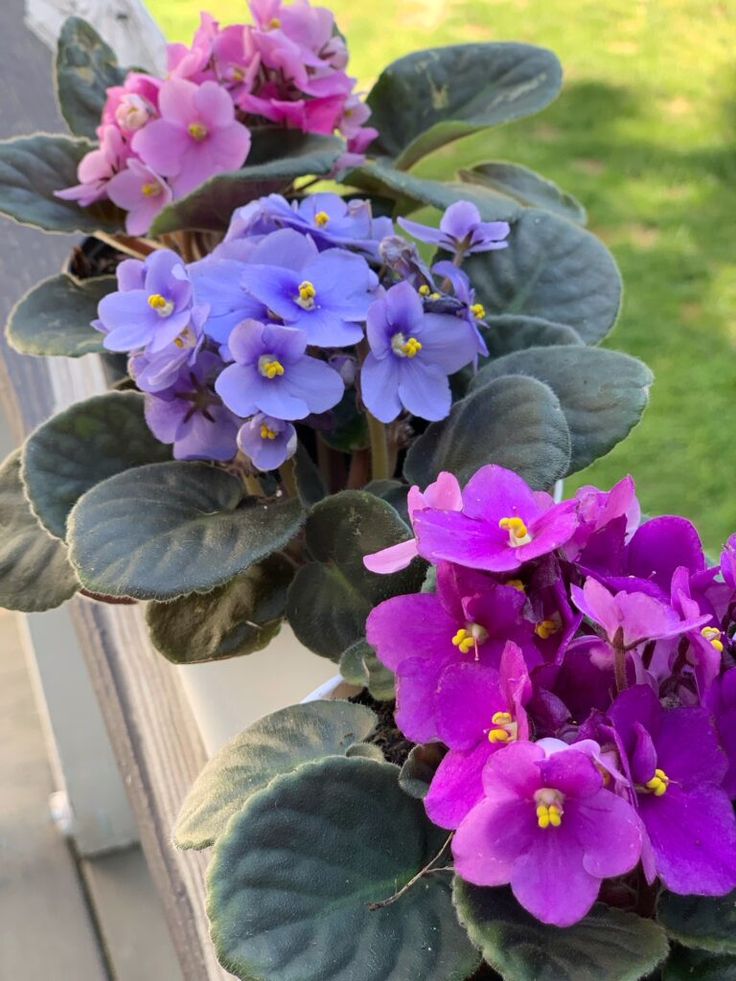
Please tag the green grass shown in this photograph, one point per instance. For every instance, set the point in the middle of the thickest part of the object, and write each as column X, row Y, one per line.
column 644, row 134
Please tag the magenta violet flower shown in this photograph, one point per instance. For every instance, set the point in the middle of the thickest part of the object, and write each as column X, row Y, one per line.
column 503, row 524
column 677, row 770
column 273, row 374
column 412, row 353
column 196, row 136
column 721, row 702
column 549, row 828
column 461, row 231
column 268, row 442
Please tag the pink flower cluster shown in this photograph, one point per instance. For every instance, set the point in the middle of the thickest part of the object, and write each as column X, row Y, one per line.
column 160, row 139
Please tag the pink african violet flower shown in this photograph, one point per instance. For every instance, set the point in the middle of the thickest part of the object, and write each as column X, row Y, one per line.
column 97, row 168
column 131, row 105
column 480, row 710
column 140, row 192
column 549, row 828
column 503, row 524
column 445, row 495
column 195, row 138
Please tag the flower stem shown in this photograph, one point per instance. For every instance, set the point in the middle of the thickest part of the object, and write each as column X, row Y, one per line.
column 427, row 870
column 287, row 472
column 379, row 449
column 619, row 660
column 138, row 248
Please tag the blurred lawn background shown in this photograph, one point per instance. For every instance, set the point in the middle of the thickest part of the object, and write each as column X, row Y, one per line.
column 644, row 134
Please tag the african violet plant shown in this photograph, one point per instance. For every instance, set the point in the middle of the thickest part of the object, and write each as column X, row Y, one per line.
column 566, row 690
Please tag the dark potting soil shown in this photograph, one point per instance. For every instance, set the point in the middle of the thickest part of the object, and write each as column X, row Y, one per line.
column 93, row 258
column 389, row 739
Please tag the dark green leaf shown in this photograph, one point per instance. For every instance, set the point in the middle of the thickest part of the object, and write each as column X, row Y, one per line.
column 352, row 668
column 515, row 422
column 705, row 922
column 367, row 751
column 54, row 317
column 276, row 744
column 602, row 393
column 525, row 186
column 348, row 431
column 509, row 333
column 309, row 483
column 240, row 617
column 419, row 769
column 331, row 597
column 551, row 269
column 295, row 873
column 698, row 965
column 393, row 491
column 359, row 665
column 465, row 87
column 381, row 177
column 34, row 570
column 32, row 168
column 82, row 446
column 607, row 945
column 210, row 207
column 163, row 530
column 85, row 68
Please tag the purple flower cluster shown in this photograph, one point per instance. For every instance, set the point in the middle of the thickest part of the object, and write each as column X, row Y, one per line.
column 579, row 667
column 269, row 329
column 162, row 138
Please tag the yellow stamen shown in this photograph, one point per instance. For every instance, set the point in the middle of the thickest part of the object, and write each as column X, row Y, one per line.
column 464, row 641
column 502, row 718
column 434, row 296
column 197, row 131
column 412, row 347
column 267, row 433
column 151, row 189
column 424, row 290
column 499, row 736
column 478, row 311
column 549, row 807
column 270, row 367
column 518, row 531
column 506, row 730
column 307, row 293
column 162, row 306
column 516, row 584
column 274, row 23
column 545, row 628
column 321, row 218
column 658, row 784
column 713, row 636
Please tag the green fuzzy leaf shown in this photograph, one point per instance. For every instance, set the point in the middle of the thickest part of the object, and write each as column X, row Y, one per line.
column 348, row 431
column 309, row 483
column 602, row 393
column 32, row 168
column 461, row 87
column 167, row 529
column 706, row 922
column 366, row 751
column 352, row 668
column 210, row 207
column 608, row 944
column 419, row 769
column 238, row 618
column 551, row 269
column 276, row 744
column 698, row 965
column 381, row 177
column 509, row 333
column 85, row 68
column 54, row 317
column 393, row 491
column 82, row 446
column 515, row 422
column 525, row 186
column 294, row 876
column 35, row 573
column 359, row 665
column 331, row 597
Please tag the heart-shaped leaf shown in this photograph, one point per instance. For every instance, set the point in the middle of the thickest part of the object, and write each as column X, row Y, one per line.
column 82, row 446
column 706, row 922
column 525, row 186
column 297, row 874
column 698, row 965
column 515, row 422
column 602, row 393
column 381, row 177
column 331, row 597
column 419, row 769
column 210, row 207
column 393, row 491
column 462, row 87
column 509, row 333
column 276, row 744
column 32, row 168
column 551, row 269
column 608, row 944
column 85, row 68
column 238, row 618
column 359, row 665
column 54, row 317
column 166, row 529
column 35, row 573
